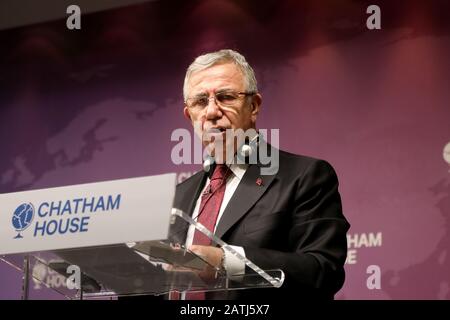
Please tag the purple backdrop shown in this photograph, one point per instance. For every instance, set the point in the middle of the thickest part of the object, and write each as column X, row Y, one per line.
column 101, row 104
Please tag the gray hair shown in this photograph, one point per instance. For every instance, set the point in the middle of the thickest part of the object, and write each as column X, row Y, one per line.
column 210, row 59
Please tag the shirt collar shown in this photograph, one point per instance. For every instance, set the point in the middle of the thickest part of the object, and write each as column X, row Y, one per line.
column 238, row 170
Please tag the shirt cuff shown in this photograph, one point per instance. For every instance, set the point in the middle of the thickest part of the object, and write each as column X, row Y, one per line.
column 233, row 265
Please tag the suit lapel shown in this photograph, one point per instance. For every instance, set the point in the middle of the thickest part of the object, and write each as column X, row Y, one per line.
column 192, row 191
column 245, row 196
column 189, row 192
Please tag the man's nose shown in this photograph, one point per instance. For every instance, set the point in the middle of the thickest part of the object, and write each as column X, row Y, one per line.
column 212, row 109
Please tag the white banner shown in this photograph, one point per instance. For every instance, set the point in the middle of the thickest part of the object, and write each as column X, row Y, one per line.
column 101, row 213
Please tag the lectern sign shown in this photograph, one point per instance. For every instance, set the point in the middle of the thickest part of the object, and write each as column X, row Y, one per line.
column 101, row 213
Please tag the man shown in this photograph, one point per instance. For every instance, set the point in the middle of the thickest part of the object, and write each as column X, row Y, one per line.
column 290, row 220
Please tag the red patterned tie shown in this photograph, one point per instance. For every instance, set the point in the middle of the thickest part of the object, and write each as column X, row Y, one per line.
column 212, row 199
column 210, row 204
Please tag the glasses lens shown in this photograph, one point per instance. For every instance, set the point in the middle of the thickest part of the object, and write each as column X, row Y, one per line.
column 199, row 102
column 227, row 98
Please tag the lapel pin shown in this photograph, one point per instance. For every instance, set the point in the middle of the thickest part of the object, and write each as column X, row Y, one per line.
column 259, row 182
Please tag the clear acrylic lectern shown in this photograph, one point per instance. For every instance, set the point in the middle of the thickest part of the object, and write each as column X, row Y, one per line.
column 154, row 267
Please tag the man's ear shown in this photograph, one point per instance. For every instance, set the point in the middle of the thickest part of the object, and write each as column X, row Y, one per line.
column 187, row 115
column 256, row 105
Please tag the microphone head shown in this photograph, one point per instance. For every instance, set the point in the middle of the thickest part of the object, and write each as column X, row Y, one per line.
column 209, row 161
column 246, row 151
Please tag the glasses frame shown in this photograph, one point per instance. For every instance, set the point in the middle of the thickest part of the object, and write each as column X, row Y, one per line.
column 216, row 101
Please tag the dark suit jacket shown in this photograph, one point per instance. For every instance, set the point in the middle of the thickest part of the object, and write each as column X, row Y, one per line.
column 293, row 221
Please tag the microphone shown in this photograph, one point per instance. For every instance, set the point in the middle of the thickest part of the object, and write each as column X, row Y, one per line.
column 246, row 150
column 208, row 163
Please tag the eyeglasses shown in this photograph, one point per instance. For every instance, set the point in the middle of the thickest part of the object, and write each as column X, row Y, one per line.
column 226, row 98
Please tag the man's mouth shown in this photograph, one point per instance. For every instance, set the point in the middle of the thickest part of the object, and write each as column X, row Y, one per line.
column 216, row 130
column 215, row 134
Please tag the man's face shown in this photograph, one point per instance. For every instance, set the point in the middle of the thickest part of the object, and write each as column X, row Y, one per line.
column 211, row 121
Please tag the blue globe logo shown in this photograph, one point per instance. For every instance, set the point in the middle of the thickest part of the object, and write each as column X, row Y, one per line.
column 22, row 218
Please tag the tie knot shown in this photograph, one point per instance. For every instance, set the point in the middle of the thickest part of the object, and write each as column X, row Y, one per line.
column 220, row 172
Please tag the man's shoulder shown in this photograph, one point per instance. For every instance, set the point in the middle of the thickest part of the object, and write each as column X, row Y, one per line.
column 299, row 158
column 291, row 162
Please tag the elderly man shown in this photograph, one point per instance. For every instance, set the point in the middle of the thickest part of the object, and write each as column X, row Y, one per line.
column 291, row 219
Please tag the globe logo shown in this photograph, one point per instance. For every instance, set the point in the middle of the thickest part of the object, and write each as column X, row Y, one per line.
column 22, row 218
